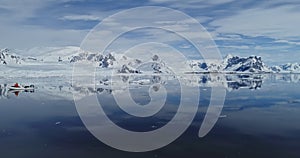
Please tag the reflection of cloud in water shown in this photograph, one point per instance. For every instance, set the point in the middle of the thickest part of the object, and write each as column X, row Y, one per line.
column 275, row 120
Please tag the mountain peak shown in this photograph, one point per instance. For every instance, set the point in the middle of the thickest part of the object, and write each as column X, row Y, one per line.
column 228, row 56
column 287, row 68
column 64, row 55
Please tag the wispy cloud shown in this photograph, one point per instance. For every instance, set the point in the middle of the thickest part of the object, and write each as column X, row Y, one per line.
column 239, row 27
column 81, row 17
column 287, row 42
column 277, row 23
column 190, row 4
column 236, row 47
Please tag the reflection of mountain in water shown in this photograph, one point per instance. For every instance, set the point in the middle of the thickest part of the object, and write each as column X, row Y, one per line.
column 3, row 91
column 119, row 83
column 294, row 78
column 229, row 81
column 245, row 81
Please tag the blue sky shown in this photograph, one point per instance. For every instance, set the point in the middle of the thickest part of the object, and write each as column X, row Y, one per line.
column 266, row 28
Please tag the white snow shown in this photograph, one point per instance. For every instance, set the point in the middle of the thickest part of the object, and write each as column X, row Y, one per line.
column 58, row 61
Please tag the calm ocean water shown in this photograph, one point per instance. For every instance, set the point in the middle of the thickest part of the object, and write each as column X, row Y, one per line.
column 260, row 118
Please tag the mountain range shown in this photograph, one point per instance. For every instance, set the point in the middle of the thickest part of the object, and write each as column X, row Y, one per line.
column 125, row 64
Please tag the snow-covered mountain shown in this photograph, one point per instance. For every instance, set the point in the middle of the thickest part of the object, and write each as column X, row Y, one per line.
column 205, row 66
column 124, row 64
column 230, row 63
column 8, row 57
column 286, row 68
column 66, row 56
column 253, row 64
column 52, row 54
column 11, row 57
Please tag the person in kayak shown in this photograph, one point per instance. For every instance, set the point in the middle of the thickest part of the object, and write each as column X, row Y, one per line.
column 16, row 85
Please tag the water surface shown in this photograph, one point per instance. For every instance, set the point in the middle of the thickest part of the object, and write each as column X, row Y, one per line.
column 260, row 118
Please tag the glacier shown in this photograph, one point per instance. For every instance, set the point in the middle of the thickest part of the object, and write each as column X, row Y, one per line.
column 58, row 61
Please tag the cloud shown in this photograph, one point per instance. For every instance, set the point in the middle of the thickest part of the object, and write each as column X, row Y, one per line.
column 287, row 42
column 190, row 4
column 18, row 30
column 276, row 23
column 81, row 17
column 238, row 27
column 171, row 28
column 236, row 47
column 185, row 46
column 32, row 36
column 21, row 9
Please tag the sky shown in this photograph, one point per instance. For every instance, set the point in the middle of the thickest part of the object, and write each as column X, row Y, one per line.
column 265, row 28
